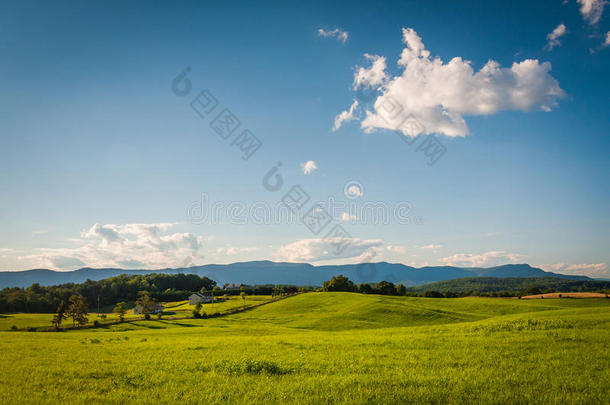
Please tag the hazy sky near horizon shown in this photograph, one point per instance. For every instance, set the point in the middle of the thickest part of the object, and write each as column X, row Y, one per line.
column 109, row 159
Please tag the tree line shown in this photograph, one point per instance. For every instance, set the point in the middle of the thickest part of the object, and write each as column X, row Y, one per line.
column 162, row 287
column 484, row 287
column 122, row 288
column 512, row 286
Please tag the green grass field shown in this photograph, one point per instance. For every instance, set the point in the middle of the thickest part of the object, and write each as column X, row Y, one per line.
column 178, row 309
column 326, row 348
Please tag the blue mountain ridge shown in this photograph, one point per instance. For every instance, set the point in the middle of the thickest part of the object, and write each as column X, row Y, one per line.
column 268, row 272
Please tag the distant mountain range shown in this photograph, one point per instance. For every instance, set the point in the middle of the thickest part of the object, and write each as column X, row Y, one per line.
column 267, row 272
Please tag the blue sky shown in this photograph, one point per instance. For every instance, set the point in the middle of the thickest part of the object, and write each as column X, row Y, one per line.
column 101, row 164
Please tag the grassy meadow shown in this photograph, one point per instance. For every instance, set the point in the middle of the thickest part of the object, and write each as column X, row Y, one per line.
column 177, row 309
column 325, row 348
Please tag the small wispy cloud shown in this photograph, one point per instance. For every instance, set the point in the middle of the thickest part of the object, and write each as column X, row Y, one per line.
column 311, row 250
column 595, row 270
column 486, row 259
column 396, row 248
column 238, row 250
column 606, row 40
column 345, row 216
column 553, row 36
column 336, row 33
column 431, row 246
column 346, row 116
column 354, row 191
column 592, row 10
column 309, row 166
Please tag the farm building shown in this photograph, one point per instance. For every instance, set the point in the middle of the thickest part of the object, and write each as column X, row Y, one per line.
column 196, row 298
column 138, row 309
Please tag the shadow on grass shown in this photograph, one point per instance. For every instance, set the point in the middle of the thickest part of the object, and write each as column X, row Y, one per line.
column 184, row 325
column 151, row 326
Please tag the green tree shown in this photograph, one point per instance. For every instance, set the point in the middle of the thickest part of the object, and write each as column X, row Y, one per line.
column 78, row 310
column 401, row 289
column 533, row 291
column 60, row 315
column 385, row 288
column 208, row 283
column 243, row 297
column 120, row 309
column 339, row 283
column 365, row 288
column 197, row 310
column 146, row 303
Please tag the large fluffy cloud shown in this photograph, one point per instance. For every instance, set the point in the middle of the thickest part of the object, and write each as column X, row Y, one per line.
column 318, row 249
column 126, row 246
column 487, row 259
column 436, row 95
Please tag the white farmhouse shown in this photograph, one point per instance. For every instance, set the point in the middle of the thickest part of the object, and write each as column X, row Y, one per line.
column 196, row 298
column 138, row 309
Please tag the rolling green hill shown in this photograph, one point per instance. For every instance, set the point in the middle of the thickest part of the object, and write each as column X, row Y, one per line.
column 345, row 311
column 327, row 348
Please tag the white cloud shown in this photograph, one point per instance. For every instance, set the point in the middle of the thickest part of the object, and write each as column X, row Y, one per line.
column 591, row 10
column 317, row 249
column 237, row 250
column 606, row 40
column 431, row 246
column 594, row 270
column 336, row 33
column 346, row 116
column 126, row 246
column 373, row 76
column 354, row 191
column 396, row 248
column 488, row 259
column 347, row 217
column 553, row 36
column 435, row 95
column 308, row 167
